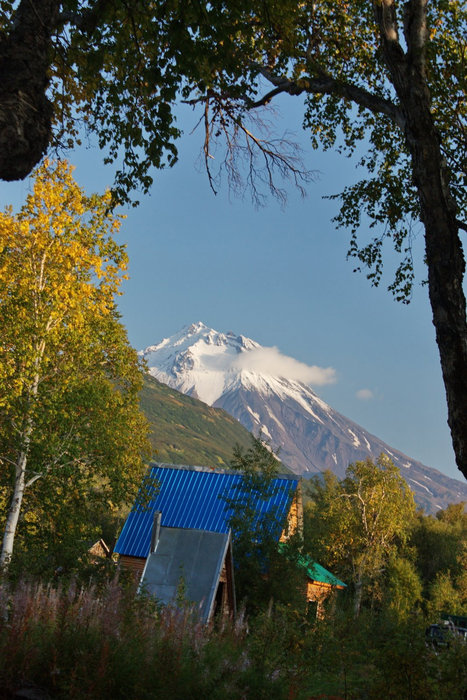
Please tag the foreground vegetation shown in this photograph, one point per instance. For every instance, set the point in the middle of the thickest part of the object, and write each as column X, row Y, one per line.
column 67, row 641
column 80, row 630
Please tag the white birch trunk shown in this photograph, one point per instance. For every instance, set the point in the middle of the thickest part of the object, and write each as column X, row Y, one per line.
column 16, row 501
column 358, row 597
column 20, row 482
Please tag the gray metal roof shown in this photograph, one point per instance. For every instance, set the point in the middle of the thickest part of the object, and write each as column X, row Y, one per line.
column 191, row 559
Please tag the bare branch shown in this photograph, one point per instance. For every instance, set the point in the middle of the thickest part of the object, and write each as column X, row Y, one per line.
column 207, row 141
column 248, row 150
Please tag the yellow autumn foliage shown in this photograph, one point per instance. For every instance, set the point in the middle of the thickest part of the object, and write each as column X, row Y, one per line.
column 72, row 436
column 59, row 267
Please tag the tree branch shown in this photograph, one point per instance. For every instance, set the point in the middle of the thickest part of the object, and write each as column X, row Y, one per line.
column 6, row 459
column 327, row 85
column 86, row 21
column 386, row 20
column 222, row 119
column 32, row 480
column 267, row 98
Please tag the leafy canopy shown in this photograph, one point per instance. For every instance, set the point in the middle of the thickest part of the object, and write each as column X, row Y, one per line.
column 118, row 69
column 355, row 526
column 71, row 433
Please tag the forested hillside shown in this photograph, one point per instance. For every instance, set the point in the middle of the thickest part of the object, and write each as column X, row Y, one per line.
column 187, row 431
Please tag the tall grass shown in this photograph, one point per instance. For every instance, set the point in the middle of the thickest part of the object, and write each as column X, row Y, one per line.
column 107, row 643
column 71, row 641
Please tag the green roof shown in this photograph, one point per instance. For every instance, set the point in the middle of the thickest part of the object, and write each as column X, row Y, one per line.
column 318, row 573
column 314, row 570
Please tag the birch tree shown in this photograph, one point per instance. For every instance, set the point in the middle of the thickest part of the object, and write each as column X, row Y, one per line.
column 355, row 525
column 62, row 349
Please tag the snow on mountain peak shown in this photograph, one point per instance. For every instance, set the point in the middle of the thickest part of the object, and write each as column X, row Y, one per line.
column 205, row 363
column 268, row 392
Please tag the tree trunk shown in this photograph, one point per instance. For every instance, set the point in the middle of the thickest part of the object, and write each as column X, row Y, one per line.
column 16, row 501
column 358, row 597
column 446, row 268
column 20, row 477
column 25, row 111
column 444, row 254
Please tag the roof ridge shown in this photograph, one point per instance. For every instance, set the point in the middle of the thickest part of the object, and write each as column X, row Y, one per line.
column 214, row 470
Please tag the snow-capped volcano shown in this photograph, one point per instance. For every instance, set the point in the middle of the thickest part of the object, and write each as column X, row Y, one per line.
column 270, row 393
column 206, row 364
column 199, row 361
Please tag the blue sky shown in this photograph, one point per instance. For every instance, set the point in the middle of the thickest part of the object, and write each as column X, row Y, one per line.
column 280, row 276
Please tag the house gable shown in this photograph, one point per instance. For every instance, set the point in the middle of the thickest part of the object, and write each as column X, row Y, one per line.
column 195, row 565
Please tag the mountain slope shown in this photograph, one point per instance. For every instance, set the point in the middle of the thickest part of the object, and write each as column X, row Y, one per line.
column 187, row 431
column 235, row 373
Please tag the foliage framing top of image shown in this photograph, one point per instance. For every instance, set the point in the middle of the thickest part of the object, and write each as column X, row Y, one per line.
column 118, row 70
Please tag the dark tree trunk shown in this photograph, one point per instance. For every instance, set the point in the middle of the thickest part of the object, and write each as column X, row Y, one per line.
column 444, row 253
column 446, row 269
column 25, row 111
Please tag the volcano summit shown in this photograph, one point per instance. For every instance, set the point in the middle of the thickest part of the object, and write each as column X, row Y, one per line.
column 270, row 393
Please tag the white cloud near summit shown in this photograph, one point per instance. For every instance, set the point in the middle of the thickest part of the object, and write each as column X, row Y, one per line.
column 271, row 361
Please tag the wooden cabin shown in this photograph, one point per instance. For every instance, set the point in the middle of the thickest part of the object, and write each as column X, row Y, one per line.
column 197, row 498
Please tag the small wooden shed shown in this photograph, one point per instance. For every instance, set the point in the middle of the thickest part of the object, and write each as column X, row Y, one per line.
column 100, row 550
column 320, row 584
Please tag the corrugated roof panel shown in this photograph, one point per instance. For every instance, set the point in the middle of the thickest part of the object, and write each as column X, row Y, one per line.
column 196, row 556
column 318, row 573
column 191, row 497
column 313, row 570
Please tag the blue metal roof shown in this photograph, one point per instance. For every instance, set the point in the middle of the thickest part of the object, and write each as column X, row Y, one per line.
column 192, row 497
